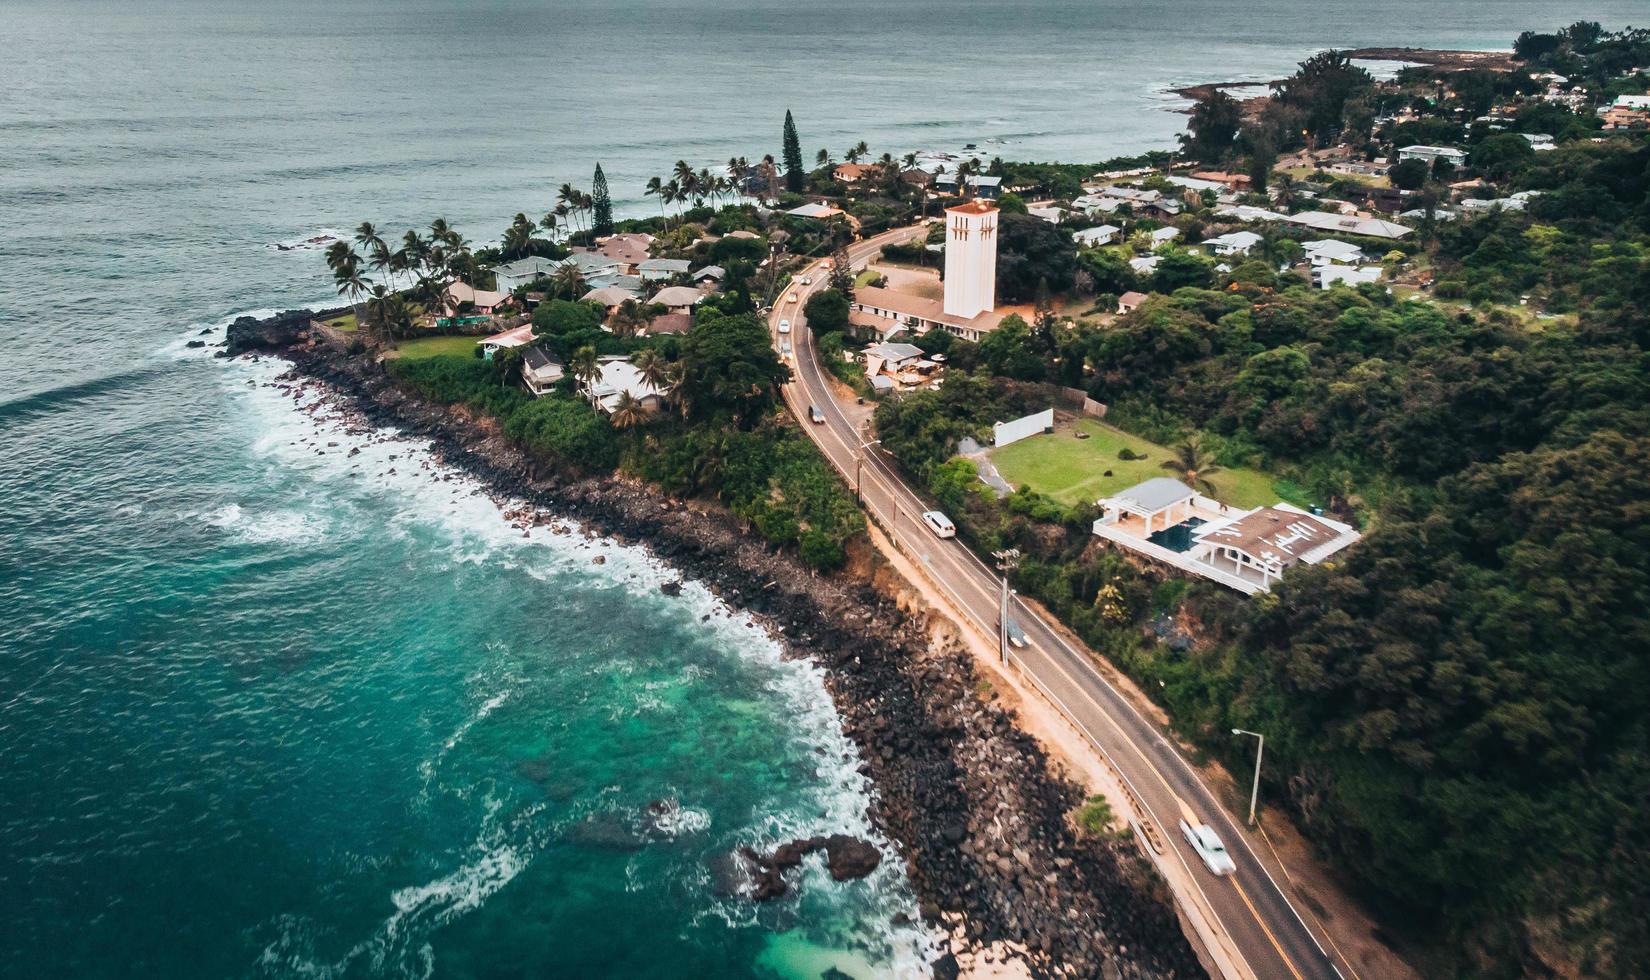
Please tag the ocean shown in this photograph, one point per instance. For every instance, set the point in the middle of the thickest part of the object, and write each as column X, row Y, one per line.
column 280, row 698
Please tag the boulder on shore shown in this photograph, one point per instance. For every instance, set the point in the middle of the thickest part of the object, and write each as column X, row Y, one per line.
column 281, row 330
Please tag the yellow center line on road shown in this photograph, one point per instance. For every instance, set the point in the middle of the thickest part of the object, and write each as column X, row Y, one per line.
column 1274, row 940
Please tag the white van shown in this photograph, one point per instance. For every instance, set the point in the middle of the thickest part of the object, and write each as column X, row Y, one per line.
column 939, row 524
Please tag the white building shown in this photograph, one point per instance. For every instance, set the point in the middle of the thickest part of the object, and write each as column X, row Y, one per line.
column 1163, row 236
column 618, row 377
column 540, row 370
column 1348, row 224
column 1330, row 251
column 971, row 259
column 1234, row 243
column 1327, row 276
column 1431, row 154
column 1258, row 546
column 1103, row 235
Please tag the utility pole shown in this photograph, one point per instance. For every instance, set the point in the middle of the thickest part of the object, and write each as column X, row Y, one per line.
column 1007, row 560
column 1254, row 792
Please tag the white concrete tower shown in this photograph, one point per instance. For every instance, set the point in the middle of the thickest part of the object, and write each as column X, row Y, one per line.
column 971, row 258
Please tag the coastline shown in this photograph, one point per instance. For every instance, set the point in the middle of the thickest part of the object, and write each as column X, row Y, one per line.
column 971, row 800
column 1448, row 59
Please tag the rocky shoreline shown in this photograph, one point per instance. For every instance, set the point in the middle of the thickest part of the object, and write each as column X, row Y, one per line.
column 1445, row 59
column 979, row 813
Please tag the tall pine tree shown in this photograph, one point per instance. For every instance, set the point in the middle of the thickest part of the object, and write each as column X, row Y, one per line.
column 601, row 205
column 793, row 156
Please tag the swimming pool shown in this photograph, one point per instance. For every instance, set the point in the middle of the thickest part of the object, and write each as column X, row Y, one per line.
column 1179, row 537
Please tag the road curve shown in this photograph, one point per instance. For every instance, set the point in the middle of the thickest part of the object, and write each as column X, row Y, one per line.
column 1254, row 921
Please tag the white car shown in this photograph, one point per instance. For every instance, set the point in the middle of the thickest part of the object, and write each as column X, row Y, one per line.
column 1208, row 847
column 806, row 281
column 939, row 524
column 791, row 298
column 784, row 326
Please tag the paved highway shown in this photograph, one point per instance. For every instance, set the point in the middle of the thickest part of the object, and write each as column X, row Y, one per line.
column 1254, row 923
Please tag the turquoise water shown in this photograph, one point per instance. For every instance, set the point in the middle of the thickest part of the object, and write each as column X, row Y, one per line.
column 271, row 710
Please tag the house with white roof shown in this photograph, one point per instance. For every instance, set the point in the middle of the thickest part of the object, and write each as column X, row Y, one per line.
column 1093, row 204
column 1163, row 236
column 1329, row 276
column 817, row 211
column 1540, row 142
column 483, row 300
column 1052, row 215
column 1234, row 243
column 618, row 377
column 1145, row 265
column 1246, row 212
column 657, row 270
column 1101, row 235
column 517, row 337
column 679, row 299
column 1158, row 503
column 1431, row 154
column 1327, row 251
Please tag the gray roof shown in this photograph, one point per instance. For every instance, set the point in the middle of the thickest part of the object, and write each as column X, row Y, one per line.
column 895, row 352
column 664, row 265
column 711, row 271
column 882, row 382
column 532, row 265
column 677, row 296
column 1155, row 494
column 537, row 358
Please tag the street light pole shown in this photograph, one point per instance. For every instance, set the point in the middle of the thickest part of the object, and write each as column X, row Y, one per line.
column 1254, row 792
column 1007, row 560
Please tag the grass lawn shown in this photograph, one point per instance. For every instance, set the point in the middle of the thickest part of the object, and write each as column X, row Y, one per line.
column 866, row 277
column 436, row 346
column 1073, row 470
column 346, row 323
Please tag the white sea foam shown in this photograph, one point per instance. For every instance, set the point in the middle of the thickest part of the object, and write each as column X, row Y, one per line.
column 387, row 466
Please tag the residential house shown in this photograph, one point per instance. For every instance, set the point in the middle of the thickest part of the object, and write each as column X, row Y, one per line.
column 1330, row 251
column 678, row 299
column 630, row 250
column 609, row 297
column 1145, row 265
column 1387, row 199
column 1233, row 182
column 659, row 270
column 1432, row 154
column 1357, row 168
column 593, row 265
column 1130, row 301
column 1246, row 212
column 1234, row 243
column 853, row 173
column 1627, row 112
column 1093, row 204
column 1198, row 184
column 1260, row 545
column 985, row 186
column 710, row 273
column 481, row 300
column 1329, row 276
column 619, row 376
column 675, row 323
column 1163, row 236
column 1159, row 503
column 1052, row 215
column 818, row 212
column 540, row 370
column 1348, row 224
column 1102, row 235
column 513, row 275
column 517, row 337
column 1540, row 142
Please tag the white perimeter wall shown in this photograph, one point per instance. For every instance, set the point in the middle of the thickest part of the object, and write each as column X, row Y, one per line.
column 1007, row 432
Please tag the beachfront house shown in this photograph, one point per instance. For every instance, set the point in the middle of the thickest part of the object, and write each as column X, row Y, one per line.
column 517, row 337
column 540, row 370
column 481, row 300
column 1157, row 504
column 1233, row 243
column 618, row 377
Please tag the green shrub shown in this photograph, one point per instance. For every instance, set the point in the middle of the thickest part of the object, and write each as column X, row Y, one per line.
column 566, row 428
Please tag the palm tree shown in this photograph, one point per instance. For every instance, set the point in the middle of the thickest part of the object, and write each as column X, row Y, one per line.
column 675, row 391
column 550, row 222
column 856, row 151
column 1193, row 466
column 628, row 319
column 656, row 188
column 346, row 273
column 627, row 412
column 675, row 194
column 568, row 196
column 569, row 279
column 368, row 238
column 586, row 369
column 823, row 157
column 770, row 172
column 654, row 369
column 382, row 313
column 685, row 175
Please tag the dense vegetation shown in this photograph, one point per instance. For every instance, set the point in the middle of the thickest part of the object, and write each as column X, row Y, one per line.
column 726, row 441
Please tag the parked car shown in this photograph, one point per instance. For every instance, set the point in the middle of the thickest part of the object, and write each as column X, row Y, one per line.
column 939, row 524
column 815, row 415
column 784, row 326
column 1208, row 847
